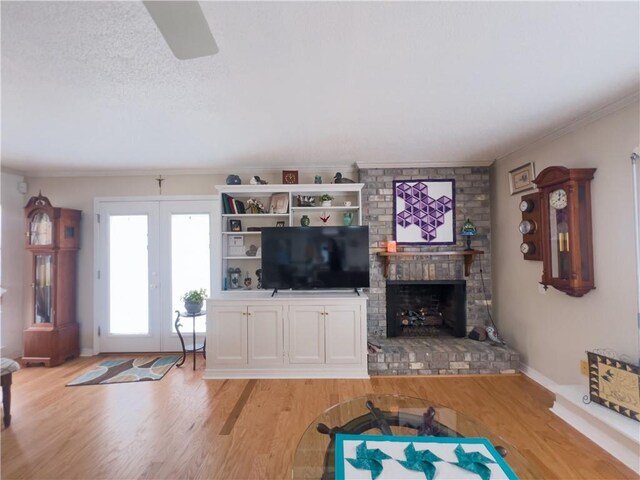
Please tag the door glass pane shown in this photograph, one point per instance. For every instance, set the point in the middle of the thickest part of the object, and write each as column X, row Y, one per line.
column 43, row 300
column 129, row 275
column 190, row 261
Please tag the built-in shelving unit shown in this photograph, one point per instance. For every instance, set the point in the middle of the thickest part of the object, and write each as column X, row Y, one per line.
column 468, row 256
column 284, row 204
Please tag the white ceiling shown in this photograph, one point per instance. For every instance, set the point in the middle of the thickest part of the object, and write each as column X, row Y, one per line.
column 93, row 86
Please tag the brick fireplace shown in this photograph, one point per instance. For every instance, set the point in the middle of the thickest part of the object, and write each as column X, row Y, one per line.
column 472, row 201
column 423, row 354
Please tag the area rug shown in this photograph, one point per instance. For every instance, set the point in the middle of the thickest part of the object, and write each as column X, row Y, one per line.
column 142, row 369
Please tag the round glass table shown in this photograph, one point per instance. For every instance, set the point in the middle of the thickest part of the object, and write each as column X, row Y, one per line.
column 385, row 414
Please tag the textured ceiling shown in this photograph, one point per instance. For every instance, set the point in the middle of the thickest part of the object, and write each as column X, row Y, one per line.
column 93, row 86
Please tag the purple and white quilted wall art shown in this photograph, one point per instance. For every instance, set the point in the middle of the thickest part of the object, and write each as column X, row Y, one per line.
column 424, row 212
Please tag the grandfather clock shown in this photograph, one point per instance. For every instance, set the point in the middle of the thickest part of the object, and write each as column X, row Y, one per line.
column 53, row 238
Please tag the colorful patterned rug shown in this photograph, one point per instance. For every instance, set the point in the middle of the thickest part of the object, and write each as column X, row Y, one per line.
column 141, row 369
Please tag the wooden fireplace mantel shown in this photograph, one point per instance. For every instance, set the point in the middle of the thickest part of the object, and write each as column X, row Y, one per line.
column 468, row 255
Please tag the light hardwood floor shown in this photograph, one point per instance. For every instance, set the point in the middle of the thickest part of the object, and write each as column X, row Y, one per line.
column 185, row 427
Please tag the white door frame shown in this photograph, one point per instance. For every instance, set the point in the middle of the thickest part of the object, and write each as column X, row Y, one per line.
column 214, row 239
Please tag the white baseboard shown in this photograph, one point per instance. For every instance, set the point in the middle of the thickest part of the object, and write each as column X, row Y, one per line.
column 86, row 352
column 538, row 377
column 618, row 435
column 214, row 374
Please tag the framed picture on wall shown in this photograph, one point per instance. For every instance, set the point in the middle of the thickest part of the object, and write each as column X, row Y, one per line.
column 424, row 212
column 615, row 384
column 521, row 178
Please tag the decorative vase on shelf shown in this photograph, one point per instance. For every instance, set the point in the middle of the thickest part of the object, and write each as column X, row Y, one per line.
column 259, row 275
column 347, row 219
column 304, row 221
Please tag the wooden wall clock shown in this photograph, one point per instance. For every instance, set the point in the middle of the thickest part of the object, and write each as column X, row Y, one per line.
column 567, row 245
column 52, row 238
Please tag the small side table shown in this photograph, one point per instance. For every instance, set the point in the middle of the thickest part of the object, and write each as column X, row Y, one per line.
column 190, row 347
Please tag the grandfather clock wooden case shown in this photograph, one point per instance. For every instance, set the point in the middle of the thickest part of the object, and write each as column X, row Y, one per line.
column 53, row 238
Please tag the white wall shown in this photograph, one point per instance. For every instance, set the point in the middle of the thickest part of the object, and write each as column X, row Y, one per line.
column 11, row 266
column 79, row 193
column 553, row 331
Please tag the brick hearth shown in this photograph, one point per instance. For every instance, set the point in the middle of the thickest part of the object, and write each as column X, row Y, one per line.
column 440, row 356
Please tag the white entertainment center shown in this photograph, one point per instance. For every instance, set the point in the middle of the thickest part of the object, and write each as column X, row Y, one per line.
column 292, row 334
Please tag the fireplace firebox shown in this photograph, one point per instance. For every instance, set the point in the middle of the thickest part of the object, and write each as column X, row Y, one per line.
column 426, row 308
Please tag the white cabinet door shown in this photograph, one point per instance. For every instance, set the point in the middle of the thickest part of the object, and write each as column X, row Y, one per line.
column 342, row 334
column 228, row 338
column 265, row 335
column 306, row 334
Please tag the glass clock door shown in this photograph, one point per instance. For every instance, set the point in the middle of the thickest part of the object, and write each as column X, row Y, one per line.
column 40, row 229
column 43, row 289
column 559, row 242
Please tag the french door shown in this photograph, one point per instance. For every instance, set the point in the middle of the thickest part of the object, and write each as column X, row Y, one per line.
column 148, row 254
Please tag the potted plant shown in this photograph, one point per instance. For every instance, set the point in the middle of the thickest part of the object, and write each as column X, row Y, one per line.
column 325, row 198
column 193, row 300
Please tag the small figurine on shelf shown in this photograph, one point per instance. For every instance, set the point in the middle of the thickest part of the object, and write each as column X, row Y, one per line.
column 306, row 200
column 256, row 180
column 340, row 179
column 324, row 217
column 247, row 282
column 259, row 275
column 317, row 179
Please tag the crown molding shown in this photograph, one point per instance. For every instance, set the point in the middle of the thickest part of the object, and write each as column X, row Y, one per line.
column 427, row 164
column 12, row 171
column 225, row 170
column 576, row 123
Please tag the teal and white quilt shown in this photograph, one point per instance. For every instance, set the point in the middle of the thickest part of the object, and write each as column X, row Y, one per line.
column 382, row 457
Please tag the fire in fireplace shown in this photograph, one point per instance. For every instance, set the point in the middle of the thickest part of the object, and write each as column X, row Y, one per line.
column 426, row 308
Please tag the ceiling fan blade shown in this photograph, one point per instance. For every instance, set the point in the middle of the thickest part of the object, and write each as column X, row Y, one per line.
column 184, row 28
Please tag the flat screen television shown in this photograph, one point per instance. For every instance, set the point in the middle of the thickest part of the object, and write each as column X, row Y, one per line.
column 308, row 258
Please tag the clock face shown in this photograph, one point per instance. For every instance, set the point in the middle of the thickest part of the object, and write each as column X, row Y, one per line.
column 527, row 247
column 526, row 226
column 526, row 205
column 290, row 177
column 558, row 199
column 40, row 229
